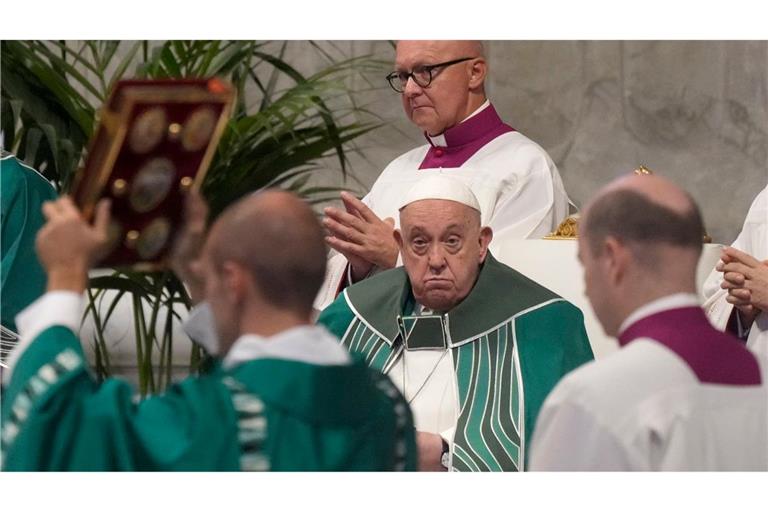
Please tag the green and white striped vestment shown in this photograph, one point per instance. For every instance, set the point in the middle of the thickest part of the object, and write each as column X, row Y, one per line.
column 511, row 341
column 263, row 414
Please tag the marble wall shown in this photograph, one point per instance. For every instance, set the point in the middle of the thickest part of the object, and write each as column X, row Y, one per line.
column 695, row 111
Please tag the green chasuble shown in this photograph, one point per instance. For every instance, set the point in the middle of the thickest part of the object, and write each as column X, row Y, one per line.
column 264, row 414
column 511, row 340
column 22, row 193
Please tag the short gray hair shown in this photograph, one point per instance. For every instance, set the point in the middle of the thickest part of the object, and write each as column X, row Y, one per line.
column 641, row 223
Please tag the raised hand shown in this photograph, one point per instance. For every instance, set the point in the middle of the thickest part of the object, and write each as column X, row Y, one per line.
column 358, row 233
column 67, row 245
column 189, row 245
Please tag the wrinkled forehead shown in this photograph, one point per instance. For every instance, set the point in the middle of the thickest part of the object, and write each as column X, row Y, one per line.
column 438, row 215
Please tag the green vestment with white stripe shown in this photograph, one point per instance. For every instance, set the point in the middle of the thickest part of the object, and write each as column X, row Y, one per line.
column 511, row 341
column 264, row 414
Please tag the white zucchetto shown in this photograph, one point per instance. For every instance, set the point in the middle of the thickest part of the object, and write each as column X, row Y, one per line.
column 440, row 186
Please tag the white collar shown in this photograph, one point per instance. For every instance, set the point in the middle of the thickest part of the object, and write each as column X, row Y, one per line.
column 439, row 140
column 478, row 110
column 674, row 301
column 306, row 343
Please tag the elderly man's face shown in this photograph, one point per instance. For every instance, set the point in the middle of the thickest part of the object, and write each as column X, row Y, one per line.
column 444, row 103
column 442, row 246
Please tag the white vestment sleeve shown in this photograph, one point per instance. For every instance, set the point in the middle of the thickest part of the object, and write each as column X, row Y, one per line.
column 62, row 308
column 334, row 275
column 753, row 240
column 448, row 434
column 715, row 306
column 533, row 202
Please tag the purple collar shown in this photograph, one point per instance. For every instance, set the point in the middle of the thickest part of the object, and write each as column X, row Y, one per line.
column 715, row 357
column 465, row 139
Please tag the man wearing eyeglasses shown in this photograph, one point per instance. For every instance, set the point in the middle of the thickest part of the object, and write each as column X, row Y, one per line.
column 442, row 88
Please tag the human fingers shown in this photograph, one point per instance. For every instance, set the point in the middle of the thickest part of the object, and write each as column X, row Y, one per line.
column 52, row 209
column 346, row 248
column 339, row 230
column 191, row 238
column 345, row 218
column 739, row 295
column 736, row 266
column 196, row 209
column 748, row 311
column 351, row 201
column 49, row 210
column 741, row 256
column 733, row 279
column 101, row 219
column 724, row 256
column 68, row 207
column 351, row 209
column 736, row 301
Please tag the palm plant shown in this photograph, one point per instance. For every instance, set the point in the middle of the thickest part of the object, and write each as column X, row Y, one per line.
column 284, row 127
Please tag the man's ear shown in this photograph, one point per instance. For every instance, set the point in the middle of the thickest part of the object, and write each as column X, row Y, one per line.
column 398, row 238
column 616, row 256
column 236, row 279
column 486, row 235
column 478, row 72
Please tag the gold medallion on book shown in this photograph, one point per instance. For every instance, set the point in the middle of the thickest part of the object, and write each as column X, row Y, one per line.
column 155, row 141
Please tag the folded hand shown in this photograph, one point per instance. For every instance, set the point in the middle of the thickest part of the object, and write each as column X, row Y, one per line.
column 746, row 279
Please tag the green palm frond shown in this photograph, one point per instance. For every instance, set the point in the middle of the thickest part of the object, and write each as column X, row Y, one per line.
column 286, row 128
column 52, row 90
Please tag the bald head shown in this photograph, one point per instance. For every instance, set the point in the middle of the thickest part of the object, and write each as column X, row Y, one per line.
column 644, row 212
column 655, row 188
column 469, row 48
column 447, row 93
column 639, row 240
column 276, row 236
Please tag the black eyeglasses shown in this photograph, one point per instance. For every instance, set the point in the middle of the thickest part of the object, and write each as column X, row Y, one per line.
column 422, row 75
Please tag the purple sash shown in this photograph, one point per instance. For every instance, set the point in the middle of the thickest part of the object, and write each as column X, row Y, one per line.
column 715, row 357
column 465, row 139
